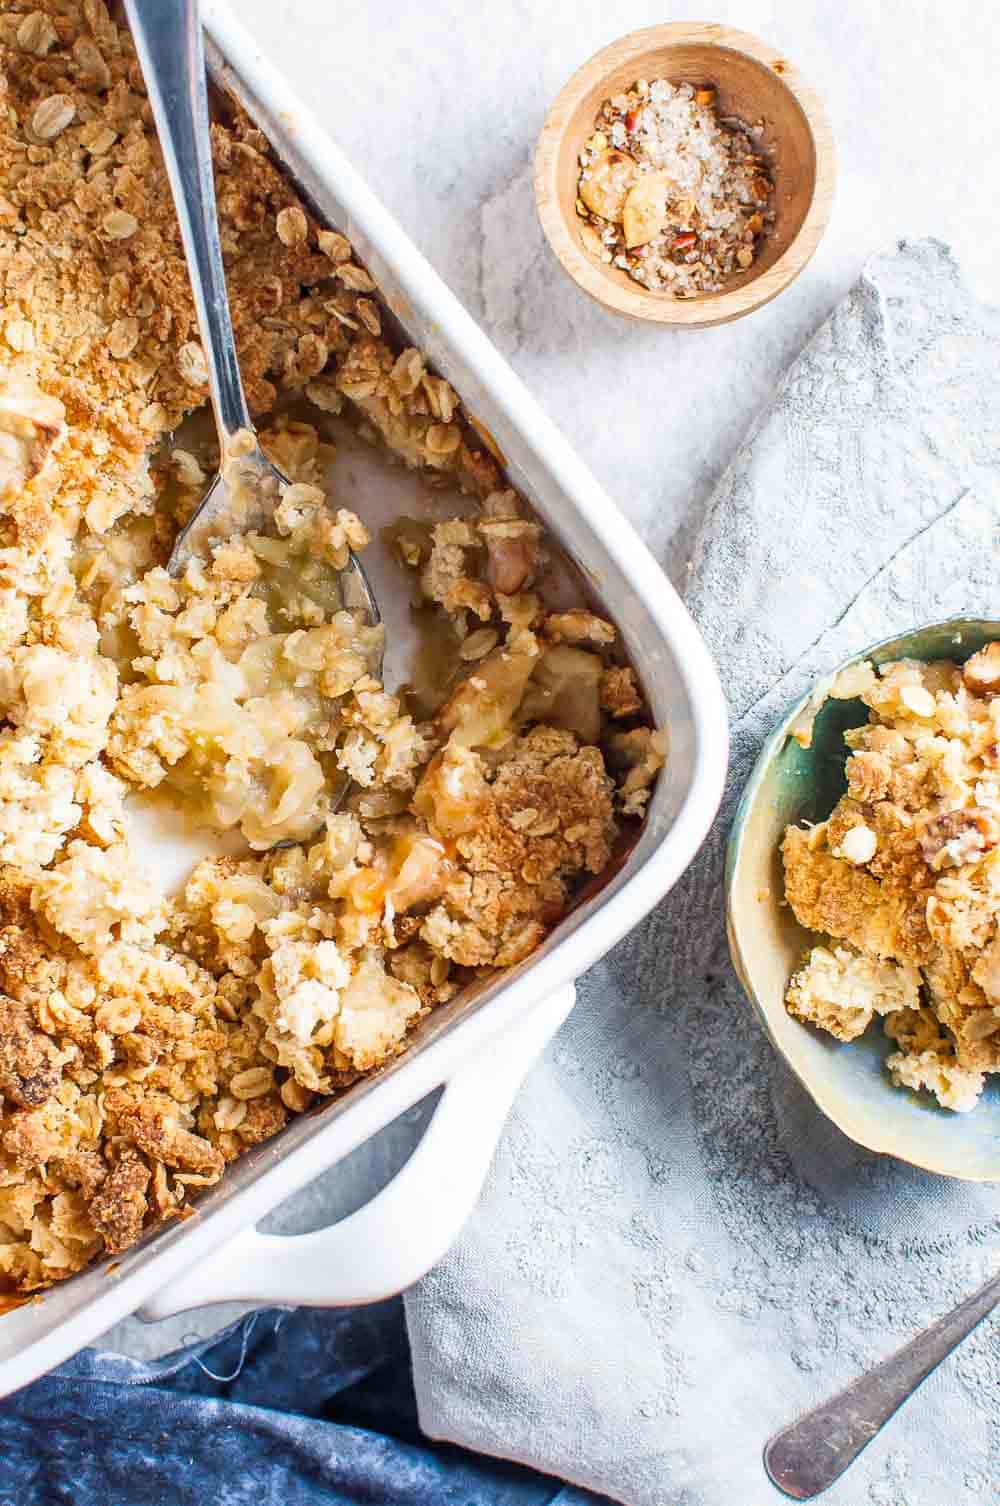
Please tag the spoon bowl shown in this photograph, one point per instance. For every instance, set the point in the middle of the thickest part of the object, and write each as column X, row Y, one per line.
column 848, row 1082
column 242, row 497
column 168, row 40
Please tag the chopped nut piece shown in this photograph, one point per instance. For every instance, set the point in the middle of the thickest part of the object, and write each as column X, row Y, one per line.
column 858, row 846
column 645, row 211
column 958, row 837
column 606, row 184
column 153, row 1125
column 981, row 673
column 590, row 240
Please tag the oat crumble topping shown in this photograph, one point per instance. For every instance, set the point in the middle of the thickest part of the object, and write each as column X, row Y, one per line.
column 675, row 196
column 146, row 1042
column 905, row 877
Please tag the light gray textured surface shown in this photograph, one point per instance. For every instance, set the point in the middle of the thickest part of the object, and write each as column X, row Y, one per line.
column 439, row 104
column 676, row 1253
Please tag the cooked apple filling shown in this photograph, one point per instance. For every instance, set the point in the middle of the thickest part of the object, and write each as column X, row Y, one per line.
column 148, row 1038
column 253, row 698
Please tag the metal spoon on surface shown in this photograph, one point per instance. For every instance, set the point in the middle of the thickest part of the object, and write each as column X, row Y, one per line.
column 168, row 40
column 804, row 1459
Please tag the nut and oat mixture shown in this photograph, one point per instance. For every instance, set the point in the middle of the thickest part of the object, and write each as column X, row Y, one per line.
column 146, row 1041
column 676, row 197
column 904, row 877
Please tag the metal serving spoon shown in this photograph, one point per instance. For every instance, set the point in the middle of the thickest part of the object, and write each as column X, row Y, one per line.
column 168, row 40
column 805, row 1458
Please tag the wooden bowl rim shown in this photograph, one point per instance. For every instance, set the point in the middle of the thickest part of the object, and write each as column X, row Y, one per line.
column 658, row 308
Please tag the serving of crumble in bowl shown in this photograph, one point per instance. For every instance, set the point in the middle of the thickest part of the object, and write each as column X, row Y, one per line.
column 685, row 174
column 863, row 896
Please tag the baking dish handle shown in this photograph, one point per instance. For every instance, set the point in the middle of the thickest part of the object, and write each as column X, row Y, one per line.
column 406, row 1228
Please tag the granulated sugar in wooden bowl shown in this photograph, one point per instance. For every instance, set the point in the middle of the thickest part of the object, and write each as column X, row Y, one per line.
column 685, row 174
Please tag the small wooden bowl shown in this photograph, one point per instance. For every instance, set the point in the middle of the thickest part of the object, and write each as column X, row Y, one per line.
column 752, row 81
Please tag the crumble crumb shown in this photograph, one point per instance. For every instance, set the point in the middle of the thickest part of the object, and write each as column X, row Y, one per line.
column 956, row 1088
column 840, row 989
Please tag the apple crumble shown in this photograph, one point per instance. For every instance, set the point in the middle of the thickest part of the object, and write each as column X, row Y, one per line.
column 387, row 850
column 904, row 876
column 671, row 193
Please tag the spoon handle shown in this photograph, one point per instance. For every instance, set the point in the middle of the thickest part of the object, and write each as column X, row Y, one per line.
column 806, row 1457
column 168, row 39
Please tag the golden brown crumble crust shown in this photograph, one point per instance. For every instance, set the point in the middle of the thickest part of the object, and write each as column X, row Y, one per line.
column 145, row 1043
column 906, row 871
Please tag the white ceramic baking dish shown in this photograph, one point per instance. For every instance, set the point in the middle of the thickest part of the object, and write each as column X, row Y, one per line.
column 479, row 1048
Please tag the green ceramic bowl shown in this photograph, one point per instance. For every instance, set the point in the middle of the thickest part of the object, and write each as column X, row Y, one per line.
column 847, row 1081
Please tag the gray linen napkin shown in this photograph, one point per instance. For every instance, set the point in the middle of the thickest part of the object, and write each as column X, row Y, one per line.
column 676, row 1253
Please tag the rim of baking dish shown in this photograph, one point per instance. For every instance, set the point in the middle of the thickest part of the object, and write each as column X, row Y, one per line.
column 282, row 1173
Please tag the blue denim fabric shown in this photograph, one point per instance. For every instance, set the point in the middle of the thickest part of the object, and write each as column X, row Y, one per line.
column 286, row 1408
